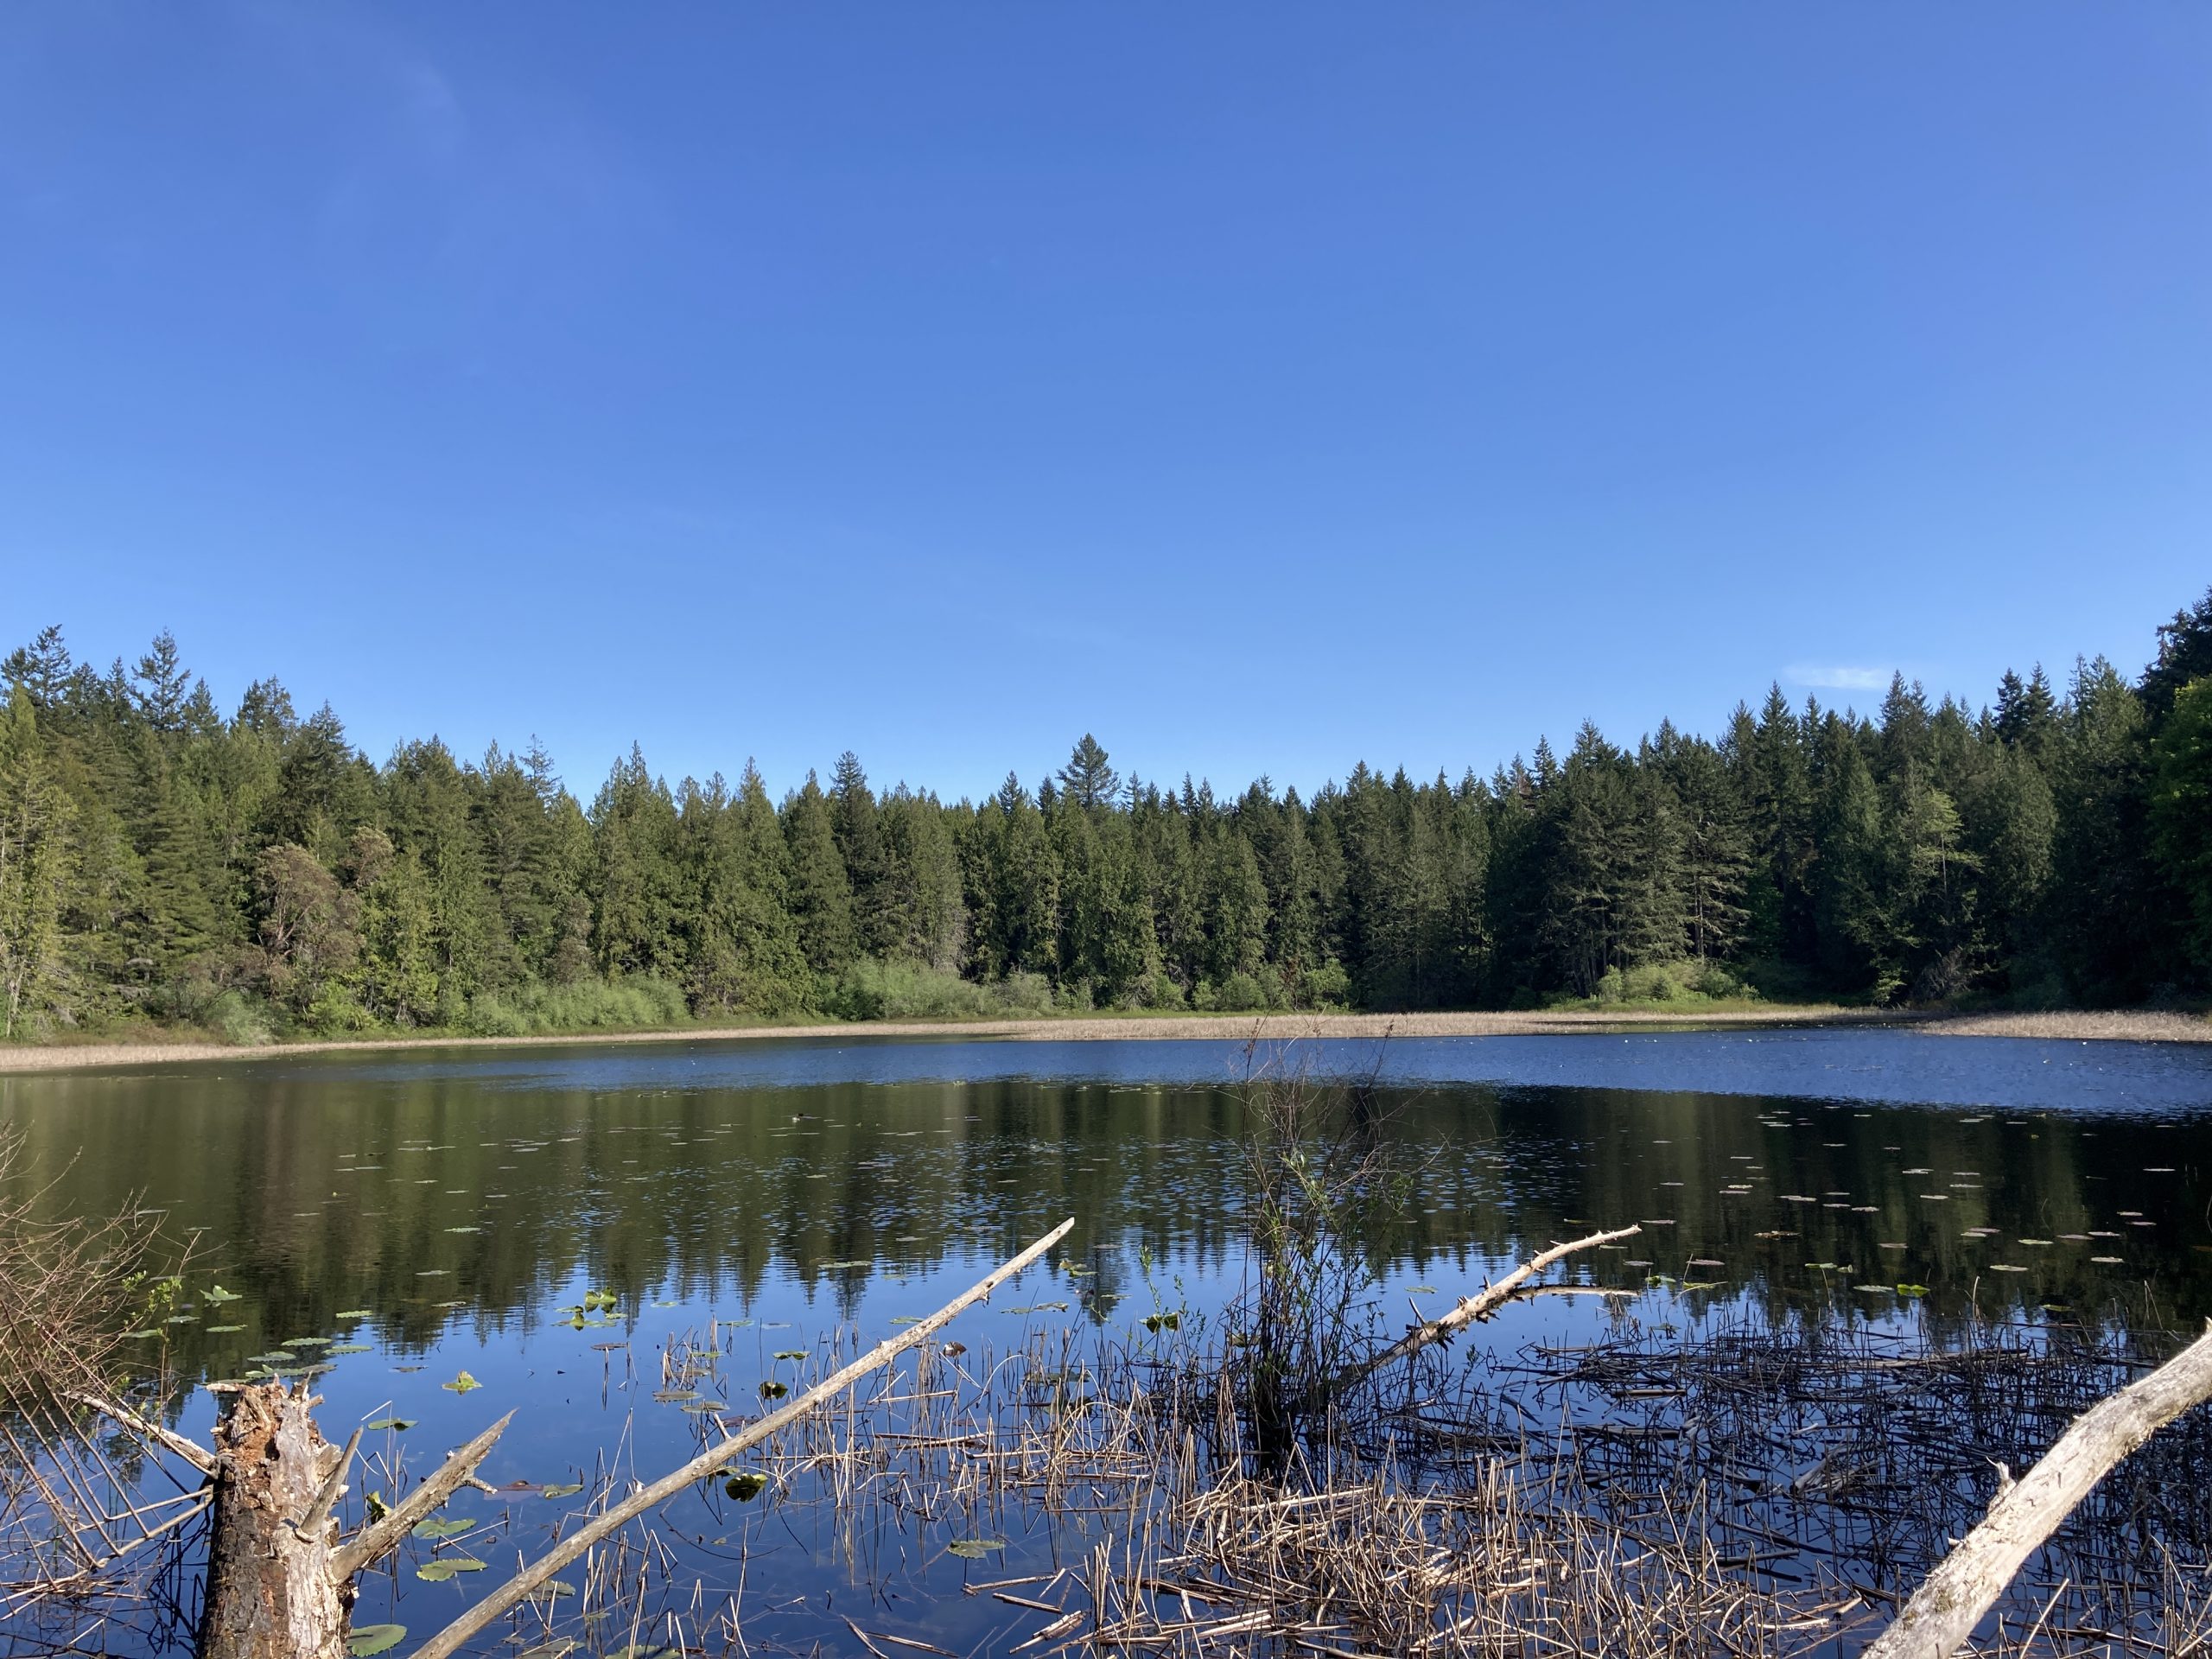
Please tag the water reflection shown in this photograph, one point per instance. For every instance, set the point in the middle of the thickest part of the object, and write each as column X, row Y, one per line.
column 485, row 1187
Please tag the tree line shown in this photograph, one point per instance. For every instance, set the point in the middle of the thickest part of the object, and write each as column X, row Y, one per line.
column 257, row 874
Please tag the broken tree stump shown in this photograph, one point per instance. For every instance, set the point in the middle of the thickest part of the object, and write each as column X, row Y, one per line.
column 271, row 1591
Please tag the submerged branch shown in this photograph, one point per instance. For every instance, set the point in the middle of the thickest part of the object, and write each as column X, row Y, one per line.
column 1480, row 1306
column 449, row 1640
column 365, row 1546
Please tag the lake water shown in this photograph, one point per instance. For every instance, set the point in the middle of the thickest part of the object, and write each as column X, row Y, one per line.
column 415, row 1215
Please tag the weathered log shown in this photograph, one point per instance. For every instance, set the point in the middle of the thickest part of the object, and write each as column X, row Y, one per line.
column 448, row 1641
column 1480, row 1306
column 271, row 1591
column 1967, row 1583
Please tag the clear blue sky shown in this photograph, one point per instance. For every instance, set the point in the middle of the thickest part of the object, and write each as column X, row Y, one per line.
column 1262, row 388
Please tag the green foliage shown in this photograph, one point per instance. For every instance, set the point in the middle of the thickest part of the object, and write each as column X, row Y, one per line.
column 257, row 876
column 633, row 1003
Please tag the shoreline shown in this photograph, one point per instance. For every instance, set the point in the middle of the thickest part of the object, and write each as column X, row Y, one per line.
column 2123, row 1027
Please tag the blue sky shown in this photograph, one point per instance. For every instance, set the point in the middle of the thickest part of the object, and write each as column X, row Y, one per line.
column 1263, row 387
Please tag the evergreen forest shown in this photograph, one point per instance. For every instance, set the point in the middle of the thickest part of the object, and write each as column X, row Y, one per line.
column 254, row 874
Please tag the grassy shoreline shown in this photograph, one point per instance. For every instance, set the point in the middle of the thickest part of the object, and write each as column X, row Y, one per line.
column 2132, row 1025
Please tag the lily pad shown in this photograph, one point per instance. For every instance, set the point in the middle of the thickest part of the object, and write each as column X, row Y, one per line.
column 446, row 1528
column 392, row 1423
column 219, row 1294
column 337, row 1347
column 444, row 1566
column 367, row 1639
column 464, row 1229
column 745, row 1484
column 462, row 1384
column 569, row 1489
column 791, row 1353
column 974, row 1549
column 355, row 1314
column 774, row 1390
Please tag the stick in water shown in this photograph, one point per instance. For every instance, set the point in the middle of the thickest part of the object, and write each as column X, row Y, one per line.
column 447, row 1642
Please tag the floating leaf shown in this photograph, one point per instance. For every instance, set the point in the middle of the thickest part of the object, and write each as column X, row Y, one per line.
column 219, row 1294
column 670, row 1396
column 568, row 1491
column 774, row 1390
column 464, row 1229
column 438, row 1570
column 130, row 1336
column 791, row 1353
column 462, row 1384
column 745, row 1484
column 1912, row 1290
column 366, row 1639
column 907, row 1319
column 276, row 1357
column 337, row 1347
column 355, row 1314
column 1163, row 1321
column 448, row 1528
column 974, row 1549
column 392, row 1423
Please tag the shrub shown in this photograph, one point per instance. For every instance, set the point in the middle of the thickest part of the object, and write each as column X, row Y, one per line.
column 1326, row 987
column 633, row 1003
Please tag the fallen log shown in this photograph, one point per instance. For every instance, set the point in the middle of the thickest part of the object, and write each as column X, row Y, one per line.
column 448, row 1641
column 1966, row 1583
column 1480, row 1306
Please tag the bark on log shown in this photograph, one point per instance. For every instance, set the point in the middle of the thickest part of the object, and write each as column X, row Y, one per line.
column 1952, row 1600
column 271, row 1591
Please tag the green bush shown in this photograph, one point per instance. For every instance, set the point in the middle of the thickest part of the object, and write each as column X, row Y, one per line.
column 1241, row 993
column 869, row 989
column 1023, row 995
column 1326, row 987
column 634, row 1003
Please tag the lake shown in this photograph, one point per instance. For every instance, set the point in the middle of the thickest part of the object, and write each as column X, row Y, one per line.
column 404, row 1218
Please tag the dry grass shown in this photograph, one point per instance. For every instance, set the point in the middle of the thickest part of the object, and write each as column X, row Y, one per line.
column 1101, row 1027
column 87, row 1518
column 2110, row 1026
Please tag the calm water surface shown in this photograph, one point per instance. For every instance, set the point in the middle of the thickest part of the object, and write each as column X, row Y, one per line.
column 429, row 1212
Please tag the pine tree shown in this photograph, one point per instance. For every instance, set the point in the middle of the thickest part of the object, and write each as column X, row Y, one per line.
column 821, row 893
column 35, row 874
column 2181, row 811
column 42, row 668
column 1086, row 779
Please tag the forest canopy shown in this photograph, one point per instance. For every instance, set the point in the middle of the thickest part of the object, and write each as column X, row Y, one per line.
column 255, row 873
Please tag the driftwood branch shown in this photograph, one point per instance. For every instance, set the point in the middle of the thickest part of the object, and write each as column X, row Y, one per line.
column 367, row 1545
column 191, row 1451
column 448, row 1641
column 1480, row 1306
column 1951, row 1601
